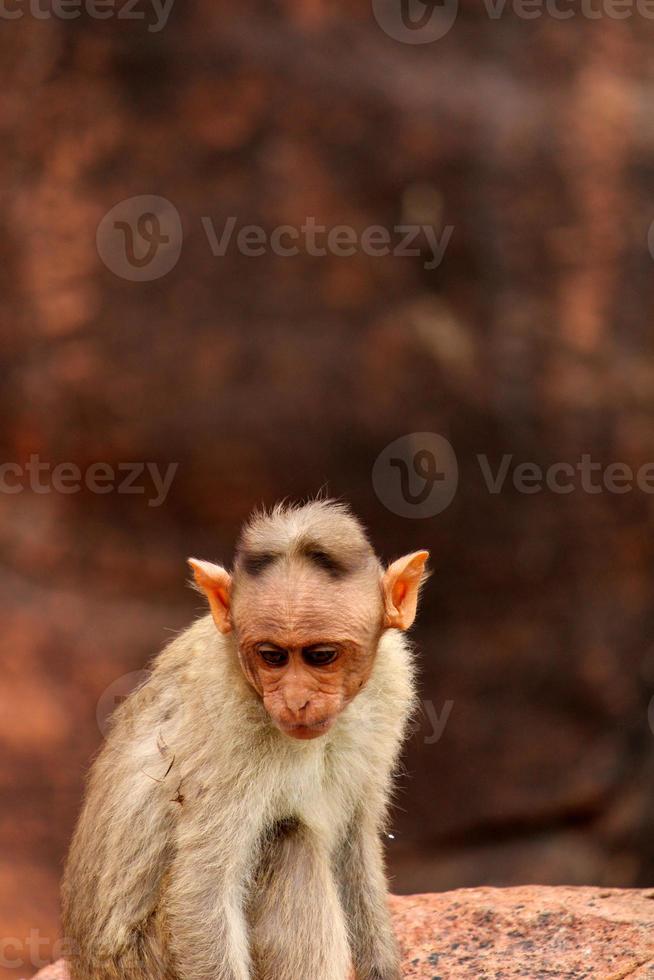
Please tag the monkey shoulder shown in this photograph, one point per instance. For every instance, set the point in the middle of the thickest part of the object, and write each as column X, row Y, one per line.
column 168, row 728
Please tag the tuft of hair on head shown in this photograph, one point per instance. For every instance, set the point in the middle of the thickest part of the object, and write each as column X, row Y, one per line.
column 322, row 531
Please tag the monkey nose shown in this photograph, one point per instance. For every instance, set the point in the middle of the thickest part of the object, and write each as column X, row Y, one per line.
column 297, row 703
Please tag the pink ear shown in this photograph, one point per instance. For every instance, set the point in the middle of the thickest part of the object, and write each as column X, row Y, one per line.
column 401, row 586
column 216, row 583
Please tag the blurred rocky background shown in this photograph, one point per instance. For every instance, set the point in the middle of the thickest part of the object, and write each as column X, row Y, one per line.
column 270, row 376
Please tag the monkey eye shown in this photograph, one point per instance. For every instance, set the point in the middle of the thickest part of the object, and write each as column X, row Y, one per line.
column 319, row 656
column 272, row 655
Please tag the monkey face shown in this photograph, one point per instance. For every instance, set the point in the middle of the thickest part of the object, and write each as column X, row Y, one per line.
column 307, row 645
column 305, row 686
column 308, row 603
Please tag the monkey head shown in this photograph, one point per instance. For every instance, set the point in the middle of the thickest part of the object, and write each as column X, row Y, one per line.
column 307, row 603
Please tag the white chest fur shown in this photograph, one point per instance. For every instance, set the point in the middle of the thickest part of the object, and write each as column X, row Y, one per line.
column 321, row 782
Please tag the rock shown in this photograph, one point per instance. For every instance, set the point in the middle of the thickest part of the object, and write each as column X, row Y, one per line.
column 57, row 971
column 529, row 932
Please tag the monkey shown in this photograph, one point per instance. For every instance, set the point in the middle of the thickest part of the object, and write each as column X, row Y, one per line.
column 232, row 824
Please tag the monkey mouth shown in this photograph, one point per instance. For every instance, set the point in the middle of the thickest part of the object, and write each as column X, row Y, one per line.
column 305, row 731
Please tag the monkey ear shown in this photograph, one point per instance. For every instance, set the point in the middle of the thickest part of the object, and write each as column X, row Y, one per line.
column 216, row 583
column 401, row 586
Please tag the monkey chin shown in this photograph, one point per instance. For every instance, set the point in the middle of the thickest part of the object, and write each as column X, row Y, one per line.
column 306, row 732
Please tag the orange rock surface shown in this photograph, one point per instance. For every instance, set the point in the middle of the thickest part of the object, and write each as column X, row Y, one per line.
column 535, row 933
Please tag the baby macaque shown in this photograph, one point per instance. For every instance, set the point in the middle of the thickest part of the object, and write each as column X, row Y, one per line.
column 231, row 828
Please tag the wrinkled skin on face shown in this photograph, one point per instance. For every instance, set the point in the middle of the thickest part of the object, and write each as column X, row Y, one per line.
column 306, row 643
column 307, row 640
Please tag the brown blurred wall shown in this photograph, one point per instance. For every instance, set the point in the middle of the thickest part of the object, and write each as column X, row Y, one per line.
column 269, row 376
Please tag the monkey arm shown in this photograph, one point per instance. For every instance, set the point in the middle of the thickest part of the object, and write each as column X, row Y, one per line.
column 207, row 890
column 118, row 857
column 298, row 926
column 364, row 891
